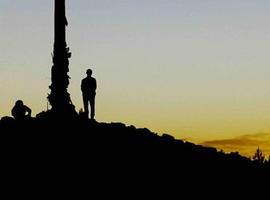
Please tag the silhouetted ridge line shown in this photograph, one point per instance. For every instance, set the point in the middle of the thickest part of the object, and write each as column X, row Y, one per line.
column 85, row 144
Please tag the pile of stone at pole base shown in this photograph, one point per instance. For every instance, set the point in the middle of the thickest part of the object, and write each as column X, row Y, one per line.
column 58, row 115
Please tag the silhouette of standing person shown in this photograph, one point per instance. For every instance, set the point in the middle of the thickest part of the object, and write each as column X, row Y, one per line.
column 21, row 111
column 88, row 87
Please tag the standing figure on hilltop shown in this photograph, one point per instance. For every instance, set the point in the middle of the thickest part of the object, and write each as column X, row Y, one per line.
column 21, row 111
column 88, row 87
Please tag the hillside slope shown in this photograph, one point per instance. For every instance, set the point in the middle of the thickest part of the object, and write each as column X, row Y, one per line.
column 81, row 150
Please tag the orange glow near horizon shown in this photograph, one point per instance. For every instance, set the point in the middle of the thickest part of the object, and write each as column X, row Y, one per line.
column 198, row 70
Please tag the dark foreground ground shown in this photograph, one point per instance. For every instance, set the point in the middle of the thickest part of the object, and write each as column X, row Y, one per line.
column 47, row 153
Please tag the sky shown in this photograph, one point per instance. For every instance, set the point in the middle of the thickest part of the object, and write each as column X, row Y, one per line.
column 197, row 69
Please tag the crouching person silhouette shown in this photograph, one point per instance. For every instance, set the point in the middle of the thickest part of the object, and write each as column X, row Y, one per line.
column 21, row 111
column 88, row 87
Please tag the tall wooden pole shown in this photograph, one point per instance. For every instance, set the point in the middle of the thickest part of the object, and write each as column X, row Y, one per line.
column 59, row 97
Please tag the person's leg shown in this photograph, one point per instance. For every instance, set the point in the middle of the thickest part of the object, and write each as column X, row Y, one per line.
column 85, row 104
column 92, row 105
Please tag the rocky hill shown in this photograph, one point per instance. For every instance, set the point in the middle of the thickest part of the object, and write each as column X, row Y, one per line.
column 78, row 149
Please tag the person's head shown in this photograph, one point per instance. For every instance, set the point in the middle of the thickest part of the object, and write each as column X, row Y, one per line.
column 19, row 103
column 89, row 72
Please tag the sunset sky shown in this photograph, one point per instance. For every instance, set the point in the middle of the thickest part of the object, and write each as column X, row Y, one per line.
column 197, row 69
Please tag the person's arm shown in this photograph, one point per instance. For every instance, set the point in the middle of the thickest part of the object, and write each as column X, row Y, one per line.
column 28, row 110
column 13, row 112
column 95, row 84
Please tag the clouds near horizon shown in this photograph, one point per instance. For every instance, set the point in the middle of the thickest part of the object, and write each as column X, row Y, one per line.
column 245, row 145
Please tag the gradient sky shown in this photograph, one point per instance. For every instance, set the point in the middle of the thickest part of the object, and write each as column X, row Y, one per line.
column 198, row 69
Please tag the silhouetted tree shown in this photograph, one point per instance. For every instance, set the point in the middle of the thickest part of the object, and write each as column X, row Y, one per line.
column 258, row 156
